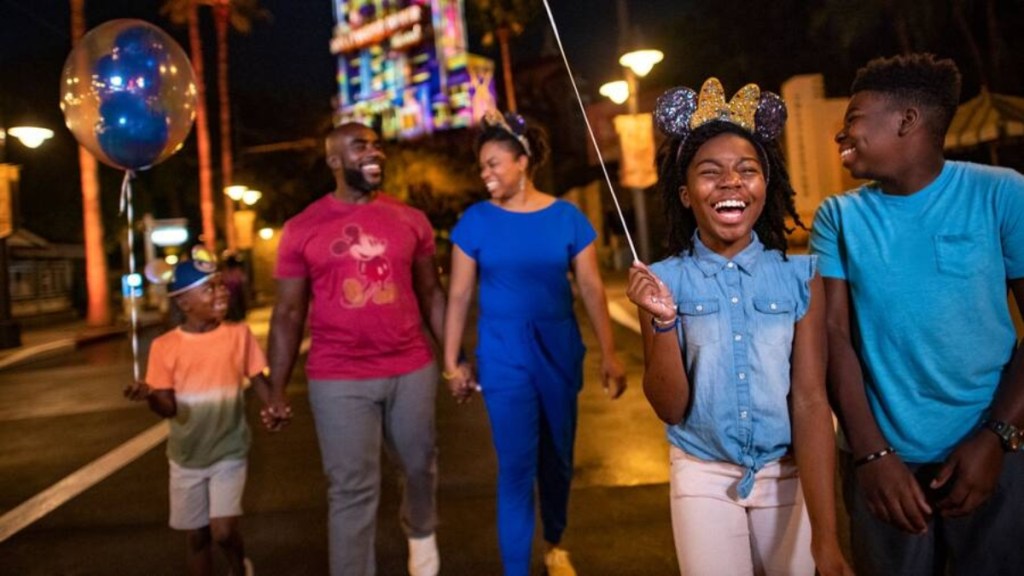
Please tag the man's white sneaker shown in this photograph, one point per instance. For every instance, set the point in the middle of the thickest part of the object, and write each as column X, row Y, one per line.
column 557, row 563
column 423, row 557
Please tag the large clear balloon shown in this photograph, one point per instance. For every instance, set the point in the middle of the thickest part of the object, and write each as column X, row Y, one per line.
column 128, row 94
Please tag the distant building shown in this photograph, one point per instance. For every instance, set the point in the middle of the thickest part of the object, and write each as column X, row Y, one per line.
column 403, row 66
column 46, row 279
column 811, row 150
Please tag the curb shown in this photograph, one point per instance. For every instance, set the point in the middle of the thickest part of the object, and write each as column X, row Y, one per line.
column 37, row 352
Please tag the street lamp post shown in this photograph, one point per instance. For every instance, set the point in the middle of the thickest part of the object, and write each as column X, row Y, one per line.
column 30, row 137
column 244, row 219
column 636, row 139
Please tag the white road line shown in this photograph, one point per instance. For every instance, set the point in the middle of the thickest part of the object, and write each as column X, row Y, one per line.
column 79, row 481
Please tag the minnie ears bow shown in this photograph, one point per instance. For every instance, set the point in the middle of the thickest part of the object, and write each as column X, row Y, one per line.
column 680, row 111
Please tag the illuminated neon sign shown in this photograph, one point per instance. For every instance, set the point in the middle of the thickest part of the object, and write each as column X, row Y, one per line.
column 403, row 66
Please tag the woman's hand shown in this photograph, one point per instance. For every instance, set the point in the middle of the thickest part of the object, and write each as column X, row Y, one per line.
column 650, row 294
column 828, row 559
column 461, row 382
column 613, row 376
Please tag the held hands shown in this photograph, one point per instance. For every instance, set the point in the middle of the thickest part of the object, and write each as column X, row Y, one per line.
column 276, row 413
column 461, row 382
column 650, row 294
column 137, row 391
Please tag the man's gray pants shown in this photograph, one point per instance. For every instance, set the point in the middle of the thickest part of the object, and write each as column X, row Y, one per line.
column 354, row 418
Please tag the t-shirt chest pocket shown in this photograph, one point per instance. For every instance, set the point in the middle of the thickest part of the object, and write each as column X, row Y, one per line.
column 700, row 321
column 773, row 320
column 960, row 255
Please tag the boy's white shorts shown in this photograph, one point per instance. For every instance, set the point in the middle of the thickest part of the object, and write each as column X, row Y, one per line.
column 198, row 494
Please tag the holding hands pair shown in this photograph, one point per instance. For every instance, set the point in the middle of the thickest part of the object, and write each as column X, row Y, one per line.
column 461, row 382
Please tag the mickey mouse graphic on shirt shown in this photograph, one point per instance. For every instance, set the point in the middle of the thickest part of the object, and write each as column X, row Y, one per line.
column 372, row 280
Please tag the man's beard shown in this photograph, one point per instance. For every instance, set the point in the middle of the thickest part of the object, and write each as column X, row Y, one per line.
column 356, row 179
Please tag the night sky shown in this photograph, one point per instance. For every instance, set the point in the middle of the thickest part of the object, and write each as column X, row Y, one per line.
column 283, row 76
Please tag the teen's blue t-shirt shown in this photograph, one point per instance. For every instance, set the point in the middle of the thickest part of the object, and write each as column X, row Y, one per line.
column 930, row 318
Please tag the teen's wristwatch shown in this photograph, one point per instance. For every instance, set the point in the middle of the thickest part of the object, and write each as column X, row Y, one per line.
column 1011, row 438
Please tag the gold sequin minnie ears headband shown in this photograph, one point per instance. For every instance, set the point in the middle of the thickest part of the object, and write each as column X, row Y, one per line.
column 510, row 122
column 680, row 111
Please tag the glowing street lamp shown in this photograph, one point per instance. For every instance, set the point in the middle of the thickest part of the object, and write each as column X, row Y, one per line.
column 636, row 136
column 31, row 136
column 617, row 91
column 250, row 197
column 235, row 192
column 641, row 61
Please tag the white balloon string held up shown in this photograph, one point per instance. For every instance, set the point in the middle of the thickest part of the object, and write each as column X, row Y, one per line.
column 590, row 130
column 129, row 213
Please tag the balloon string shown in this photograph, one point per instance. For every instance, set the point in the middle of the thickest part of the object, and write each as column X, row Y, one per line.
column 127, row 210
column 590, row 130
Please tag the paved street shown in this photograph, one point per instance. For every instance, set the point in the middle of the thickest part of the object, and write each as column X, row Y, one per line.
column 63, row 413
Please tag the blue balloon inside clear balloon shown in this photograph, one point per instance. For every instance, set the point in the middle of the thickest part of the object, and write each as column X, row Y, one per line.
column 113, row 74
column 130, row 132
column 128, row 94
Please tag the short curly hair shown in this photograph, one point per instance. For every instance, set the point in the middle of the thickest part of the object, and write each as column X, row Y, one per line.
column 919, row 79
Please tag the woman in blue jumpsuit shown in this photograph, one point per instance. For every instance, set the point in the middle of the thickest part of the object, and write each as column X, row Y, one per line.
column 521, row 243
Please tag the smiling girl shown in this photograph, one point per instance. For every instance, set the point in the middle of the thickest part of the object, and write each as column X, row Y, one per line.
column 734, row 346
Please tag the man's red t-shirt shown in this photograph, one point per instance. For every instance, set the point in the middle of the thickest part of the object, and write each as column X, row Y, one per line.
column 365, row 320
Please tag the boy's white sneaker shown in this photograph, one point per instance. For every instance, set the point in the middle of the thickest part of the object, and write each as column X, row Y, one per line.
column 424, row 559
column 557, row 563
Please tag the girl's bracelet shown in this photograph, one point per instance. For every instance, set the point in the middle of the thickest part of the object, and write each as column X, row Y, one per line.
column 661, row 326
column 449, row 375
column 873, row 456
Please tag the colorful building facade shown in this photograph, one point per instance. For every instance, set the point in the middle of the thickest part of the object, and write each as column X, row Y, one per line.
column 403, row 66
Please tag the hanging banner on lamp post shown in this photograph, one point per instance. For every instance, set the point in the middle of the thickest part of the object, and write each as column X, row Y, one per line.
column 244, row 222
column 8, row 186
column 636, row 139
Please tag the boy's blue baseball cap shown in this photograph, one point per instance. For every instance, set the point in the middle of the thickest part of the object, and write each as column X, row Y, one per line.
column 189, row 274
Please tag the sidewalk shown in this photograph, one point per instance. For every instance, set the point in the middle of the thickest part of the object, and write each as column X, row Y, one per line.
column 49, row 340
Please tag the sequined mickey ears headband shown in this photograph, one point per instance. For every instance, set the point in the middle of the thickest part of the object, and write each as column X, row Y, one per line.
column 680, row 111
column 509, row 122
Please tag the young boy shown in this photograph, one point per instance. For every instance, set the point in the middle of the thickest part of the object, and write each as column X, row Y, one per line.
column 924, row 365
column 194, row 378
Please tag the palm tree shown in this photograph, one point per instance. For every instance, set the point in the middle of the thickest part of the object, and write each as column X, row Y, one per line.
column 187, row 12
column 237, row 14
column 98, row 308
column 503, row 20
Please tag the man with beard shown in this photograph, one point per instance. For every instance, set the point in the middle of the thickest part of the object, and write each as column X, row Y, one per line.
column 365, row 263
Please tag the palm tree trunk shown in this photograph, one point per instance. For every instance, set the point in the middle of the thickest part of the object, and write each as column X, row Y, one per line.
column 97, row 287
column 202, row 132
column 503, row 34
column 221, row 18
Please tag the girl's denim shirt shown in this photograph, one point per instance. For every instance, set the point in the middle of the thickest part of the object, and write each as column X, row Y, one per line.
column 737, row 320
